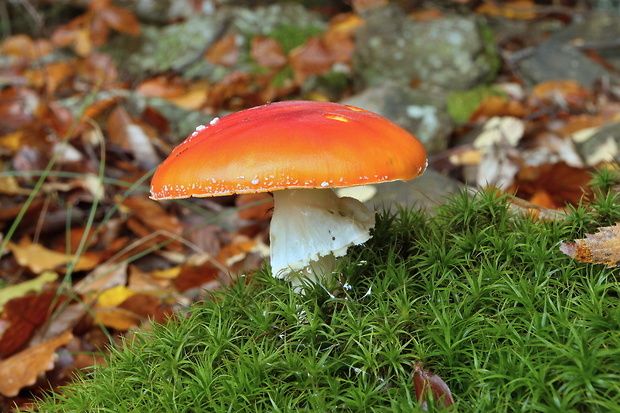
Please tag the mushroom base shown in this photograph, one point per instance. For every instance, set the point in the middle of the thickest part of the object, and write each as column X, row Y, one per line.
column 310, row 227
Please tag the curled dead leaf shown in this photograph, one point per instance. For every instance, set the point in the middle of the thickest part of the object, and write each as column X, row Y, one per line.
column 22, row 369
column 600, row 248
column 427, row 383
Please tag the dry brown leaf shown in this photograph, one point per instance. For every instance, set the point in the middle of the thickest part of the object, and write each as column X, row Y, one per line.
column 515, row 9
column 23, row 316
column 102, row 278
column 498, row 106
column 311, row 58
column 268, row 52
column 600, row 248
column 117, row 318
column 39, row 259
column 224, row 52
column 22, row 369
column 195, row 276
column 22, row 45
column 134, row 136
column 150, row 217
column 561, row 93
column 52, row 75
column 362, row 5
column 254, row 206
column 426, row 382
column 563, row 183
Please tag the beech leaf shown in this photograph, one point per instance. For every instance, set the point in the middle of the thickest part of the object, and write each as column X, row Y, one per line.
column 22, row 369
column 600, row 248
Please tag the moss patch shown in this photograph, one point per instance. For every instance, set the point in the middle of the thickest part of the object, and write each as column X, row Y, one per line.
column 482, row 296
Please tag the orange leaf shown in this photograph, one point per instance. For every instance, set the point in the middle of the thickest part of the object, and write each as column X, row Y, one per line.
column 312, row 58
column 561, row 182
column 117, row 318
column 196, row 276
column 224, row 52
column 121, row 20
column 498, row 106
column 22, row 369
column 600, row 248
column 24, row 46
column 52, row 75
column 564, row 91
column 362, row 5
column 515, row 9
column 267, row 52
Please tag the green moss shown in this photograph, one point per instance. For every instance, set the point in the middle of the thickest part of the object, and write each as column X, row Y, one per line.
column 482, row 296
column 291, row 36
column 462, row 104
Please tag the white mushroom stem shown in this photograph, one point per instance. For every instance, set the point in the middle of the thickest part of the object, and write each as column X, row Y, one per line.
column 310, row 227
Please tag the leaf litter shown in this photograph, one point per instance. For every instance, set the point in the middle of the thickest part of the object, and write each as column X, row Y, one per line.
column 86, row 257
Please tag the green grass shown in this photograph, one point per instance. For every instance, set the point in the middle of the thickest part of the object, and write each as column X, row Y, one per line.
column 482, row 296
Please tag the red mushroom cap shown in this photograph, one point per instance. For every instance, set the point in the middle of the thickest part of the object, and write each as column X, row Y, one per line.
column 291, row 144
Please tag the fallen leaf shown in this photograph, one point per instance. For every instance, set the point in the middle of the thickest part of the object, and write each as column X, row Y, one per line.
column 39, row 259
column 23, row 315
column 500, row 130
column 21, row 45
column 267, row 52
column 254, row 206
column 114, row 296
column 563, row 183
column 117, row 318
column 563, row 93
column 311, row 58
column 600, row 248
column 499, row 106
column 195, row 276
column 102, row 278
column 362, row 5
column 133, row 136
column 426, row 383
column 13, row 291
column 224, row 52
column 515, row 9
column 10, row 186
column 149, row 217
column 22, row 369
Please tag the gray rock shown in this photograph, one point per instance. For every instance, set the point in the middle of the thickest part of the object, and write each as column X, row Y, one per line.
column 421, row 112
column 427, row 192
column 560, row 57
column 601, row 146
column 554, row 60
column 448, row 52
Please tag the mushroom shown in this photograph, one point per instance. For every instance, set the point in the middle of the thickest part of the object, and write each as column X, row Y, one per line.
column 298, row 150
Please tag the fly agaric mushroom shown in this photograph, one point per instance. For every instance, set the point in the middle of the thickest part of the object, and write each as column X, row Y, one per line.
column 298, row 150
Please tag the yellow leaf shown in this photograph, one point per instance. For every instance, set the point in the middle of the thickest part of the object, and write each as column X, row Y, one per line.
column 39, row 259
column 114, row 296
column 21, row 289
column 169, row 273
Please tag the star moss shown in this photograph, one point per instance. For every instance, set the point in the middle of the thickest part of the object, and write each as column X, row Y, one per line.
column 479, row 293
